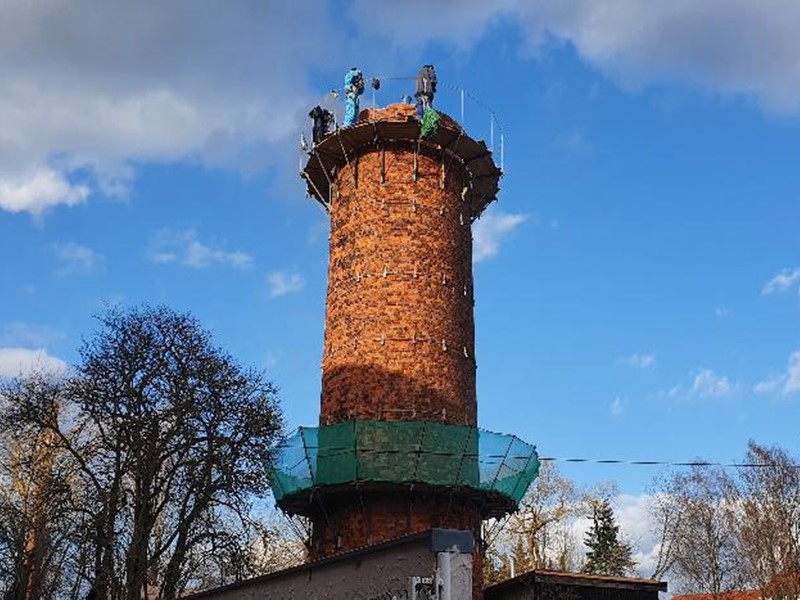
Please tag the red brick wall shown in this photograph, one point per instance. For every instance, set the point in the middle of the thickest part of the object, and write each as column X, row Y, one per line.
column 399, row 332
column 368, row 517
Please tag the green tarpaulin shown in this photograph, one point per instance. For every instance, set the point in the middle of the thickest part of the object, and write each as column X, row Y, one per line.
column 430, row 123
column 404, row 452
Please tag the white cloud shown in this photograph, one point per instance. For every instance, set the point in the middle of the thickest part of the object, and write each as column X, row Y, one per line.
column 784, row 280
column 638, row 361
column 91, row 88
column 271, row 359
column 792, row 374
column 770, row 385
column 75, row 259
column 736, row 47
column 19, row 361
column 707, row 384
column 282, row 283
column 183, row 248
column 492, row 228
column 787, row 382
column 636, row 525
column 41, row 189
column 617, row 407
column 722, row 312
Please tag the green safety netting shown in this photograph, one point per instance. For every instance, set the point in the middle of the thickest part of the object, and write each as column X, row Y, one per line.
column 403, row 452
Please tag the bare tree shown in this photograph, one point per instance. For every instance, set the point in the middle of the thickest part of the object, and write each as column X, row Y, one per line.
column 664, row 514
column 273, row 546
column 35, row 496
column 542, row 527
column 543, row 532
column 496, row 565
column 697, row 513
column 723, row 532
column 168, row 436
column 769, row 529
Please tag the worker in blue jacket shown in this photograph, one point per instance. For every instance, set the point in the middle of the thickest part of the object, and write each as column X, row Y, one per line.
column 353, row 88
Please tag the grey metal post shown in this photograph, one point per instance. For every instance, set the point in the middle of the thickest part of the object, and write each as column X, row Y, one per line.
column 444, row 580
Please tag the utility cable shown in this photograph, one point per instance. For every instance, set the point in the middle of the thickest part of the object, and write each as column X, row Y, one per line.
column 665, row 463
column 331, row 450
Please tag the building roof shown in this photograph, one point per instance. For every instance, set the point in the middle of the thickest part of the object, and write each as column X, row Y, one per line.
column 731, row 595
column 563, row 578
column 786, row 584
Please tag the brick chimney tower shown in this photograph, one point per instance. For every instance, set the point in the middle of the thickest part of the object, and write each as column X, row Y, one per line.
column 397, row 450
column 399, row 329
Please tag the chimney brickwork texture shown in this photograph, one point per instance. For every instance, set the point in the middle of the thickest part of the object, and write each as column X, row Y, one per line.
column 399, row 331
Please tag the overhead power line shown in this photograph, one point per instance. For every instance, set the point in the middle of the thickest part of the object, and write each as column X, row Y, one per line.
column 665, row 463
column 331, row 451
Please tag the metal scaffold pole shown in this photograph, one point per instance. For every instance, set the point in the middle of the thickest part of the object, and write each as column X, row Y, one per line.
column 462, row 108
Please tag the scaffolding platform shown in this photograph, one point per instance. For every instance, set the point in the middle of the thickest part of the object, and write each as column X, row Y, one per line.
column 396, row 126
column 493, row 469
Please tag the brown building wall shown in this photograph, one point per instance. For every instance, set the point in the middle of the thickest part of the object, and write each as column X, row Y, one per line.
column 399, row 332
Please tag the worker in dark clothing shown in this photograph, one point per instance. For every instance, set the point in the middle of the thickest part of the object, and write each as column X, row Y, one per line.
column 323, row 123
column 425, row 89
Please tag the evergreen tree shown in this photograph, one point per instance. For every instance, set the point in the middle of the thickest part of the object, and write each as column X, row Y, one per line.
column 608, row 554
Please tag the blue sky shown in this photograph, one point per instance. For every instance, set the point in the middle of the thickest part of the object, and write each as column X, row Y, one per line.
column 637, row 293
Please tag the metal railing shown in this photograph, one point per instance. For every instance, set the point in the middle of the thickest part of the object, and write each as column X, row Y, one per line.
column 475, row 116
